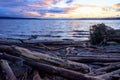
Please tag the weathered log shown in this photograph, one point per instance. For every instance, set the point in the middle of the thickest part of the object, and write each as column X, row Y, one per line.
column 53, row 60
column 94, row 56
column 108, row 76
column 95, row 59
column 7, row 49
column 49, row 69
column 7, row 70
column 105, row 64
column 10, row 57
column 46, row 58
column 107, row 69
column 69, row 74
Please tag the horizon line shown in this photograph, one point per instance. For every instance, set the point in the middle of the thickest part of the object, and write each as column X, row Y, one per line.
column 110, row 18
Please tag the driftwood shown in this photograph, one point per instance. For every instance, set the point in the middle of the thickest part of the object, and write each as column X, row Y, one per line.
column 94, row 56
column 107, row 69
column 53, row 60
column 101, row 34
column 104, row 67
column 105, row 64
column 49, row 69
column 7, row 70
column 71, row 75
column 91, row 59
column 40, row 57
column 7, row 49
column 108, row 76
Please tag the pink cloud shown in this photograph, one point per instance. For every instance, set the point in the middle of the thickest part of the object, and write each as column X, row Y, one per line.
column 117, row 5
column 73, row 7
column 43, row 3
column 33, row 13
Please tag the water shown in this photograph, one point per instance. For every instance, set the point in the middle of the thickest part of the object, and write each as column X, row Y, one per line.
column 50, row 29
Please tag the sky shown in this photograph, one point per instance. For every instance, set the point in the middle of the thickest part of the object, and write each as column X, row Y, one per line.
column 60, row 8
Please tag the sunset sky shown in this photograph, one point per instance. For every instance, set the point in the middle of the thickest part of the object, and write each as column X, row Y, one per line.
column 60, row 8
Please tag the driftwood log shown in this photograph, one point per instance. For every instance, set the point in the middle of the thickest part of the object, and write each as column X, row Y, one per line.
column 40, row 57
column 7, row 49
column 95, row 59
column 107, row 69
column 7, row 70
column 108, row 76
column 69, row 74
column 94, row 56
column 49, row 69
column 53, row 60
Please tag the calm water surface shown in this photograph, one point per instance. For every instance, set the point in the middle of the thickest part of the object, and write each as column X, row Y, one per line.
column 50, row 29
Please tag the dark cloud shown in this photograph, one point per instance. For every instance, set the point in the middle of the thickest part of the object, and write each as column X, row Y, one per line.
column 57, row 10
column 118, row 4
column 69, row 1
column 17, row 7
column 5, row 11
column 12, row 3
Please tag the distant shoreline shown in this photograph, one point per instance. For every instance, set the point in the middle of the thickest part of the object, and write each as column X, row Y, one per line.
column 116, row 18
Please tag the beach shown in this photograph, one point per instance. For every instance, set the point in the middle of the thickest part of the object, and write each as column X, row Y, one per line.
column 64, row 59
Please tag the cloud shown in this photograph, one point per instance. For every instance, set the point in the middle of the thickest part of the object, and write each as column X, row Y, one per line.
column 73, row 7
column 11, row 12
column 43, row 3
column 69, row 1
column 117, row 5
column 36, row 5
column 57, row 10
column 32, row 13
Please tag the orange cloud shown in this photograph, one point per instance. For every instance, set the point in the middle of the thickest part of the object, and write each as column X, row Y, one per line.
column 117, row 5
column 33, row 13
column 73, row 7
column 77, row 6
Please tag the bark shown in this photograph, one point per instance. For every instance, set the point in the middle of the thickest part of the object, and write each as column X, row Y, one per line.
column 52, row 60
column 8, row 71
